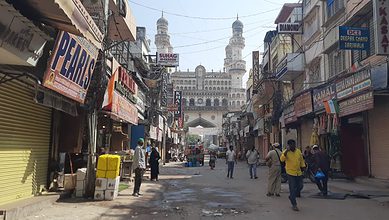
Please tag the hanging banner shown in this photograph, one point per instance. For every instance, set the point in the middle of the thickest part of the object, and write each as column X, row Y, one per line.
column 303, row 104
column 381, row 17
column 356, row 104
column 71, row 66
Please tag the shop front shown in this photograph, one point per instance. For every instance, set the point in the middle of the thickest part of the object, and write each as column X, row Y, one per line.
column 289, row 124
column 355, row 97
column 303, row 111
column 119, row 111
column 24, row 124
column 379, row 123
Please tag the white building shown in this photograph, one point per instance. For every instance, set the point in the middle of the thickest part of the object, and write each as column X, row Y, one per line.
column 208, row 94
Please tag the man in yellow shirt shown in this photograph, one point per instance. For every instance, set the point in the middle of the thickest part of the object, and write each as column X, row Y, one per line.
column 294, row 162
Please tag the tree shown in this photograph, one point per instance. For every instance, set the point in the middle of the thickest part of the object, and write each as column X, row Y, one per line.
column 192, row 138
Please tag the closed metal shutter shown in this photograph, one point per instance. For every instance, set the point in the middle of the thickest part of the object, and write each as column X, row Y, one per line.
column 379, row 138
column 306, row 133
column 24, row 142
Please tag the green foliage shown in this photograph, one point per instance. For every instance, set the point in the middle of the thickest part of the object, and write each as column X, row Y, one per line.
column 192, row 138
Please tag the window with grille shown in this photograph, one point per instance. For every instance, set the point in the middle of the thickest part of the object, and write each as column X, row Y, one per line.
column 333, row 7
column 359, row 55
column 336, row 62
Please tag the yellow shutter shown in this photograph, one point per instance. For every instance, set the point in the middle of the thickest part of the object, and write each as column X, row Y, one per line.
column 24, row 142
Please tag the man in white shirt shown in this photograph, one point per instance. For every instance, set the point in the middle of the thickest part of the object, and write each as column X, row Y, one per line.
column 139, row 166
column 230, row 160
column 252, row 159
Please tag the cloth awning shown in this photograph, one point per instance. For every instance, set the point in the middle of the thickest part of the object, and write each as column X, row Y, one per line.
column 67, row 15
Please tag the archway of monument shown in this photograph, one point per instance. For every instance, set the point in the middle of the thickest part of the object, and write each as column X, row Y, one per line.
column 200, row 122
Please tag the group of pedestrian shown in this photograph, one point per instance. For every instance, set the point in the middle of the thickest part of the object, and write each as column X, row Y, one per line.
column 290, row 161
column 139, row 165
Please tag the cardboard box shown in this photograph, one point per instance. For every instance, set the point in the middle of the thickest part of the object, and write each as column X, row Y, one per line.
column 70, row 181
column 81, row 174
column 99, row 195
column 80, row 185
column 112, row 174
column 111, row 194
column 79, row 193
column 113, row 183
column 101, row 174
column 101, row 184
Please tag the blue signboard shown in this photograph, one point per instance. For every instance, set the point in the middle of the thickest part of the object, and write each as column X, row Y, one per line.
column 353, row 38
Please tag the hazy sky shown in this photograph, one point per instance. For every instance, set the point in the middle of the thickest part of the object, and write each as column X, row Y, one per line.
column 202, row 41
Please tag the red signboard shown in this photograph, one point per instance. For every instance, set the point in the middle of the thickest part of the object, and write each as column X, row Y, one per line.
column 303, row 104
column 116, row 102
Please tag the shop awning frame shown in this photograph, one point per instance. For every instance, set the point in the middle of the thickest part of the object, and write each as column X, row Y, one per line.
column 67, row 15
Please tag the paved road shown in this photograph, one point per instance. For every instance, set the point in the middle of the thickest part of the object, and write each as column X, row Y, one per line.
column 201, row 193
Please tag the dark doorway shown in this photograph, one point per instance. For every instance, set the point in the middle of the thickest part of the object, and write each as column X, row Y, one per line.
column 354, row 153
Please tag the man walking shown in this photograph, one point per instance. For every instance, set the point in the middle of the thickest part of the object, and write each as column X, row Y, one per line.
column 252, row 159
column 139, row 166
column 321, row 162
column 274, row 163
column 294, row 161
column 230, row 160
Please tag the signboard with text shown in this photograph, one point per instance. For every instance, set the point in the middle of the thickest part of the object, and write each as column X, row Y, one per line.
column 289, row 28
column 303, row 104
column 71, row 66
column 168, row 59
column 323, row 94
column 178, row 103
column 353, row 84
column 255, row 71
column 353, row 38
column 381, row 18
column 356, row 104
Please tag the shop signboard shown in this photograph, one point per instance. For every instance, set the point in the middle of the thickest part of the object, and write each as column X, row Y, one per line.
column 71, row 66
column 117, row 103
column 356, row 104
column 153, row 132
column 353, row 38
column 255, row 71
column 289, row 28
column 168, row 59
column 353, row 84
column 178, row 103
column 126, row 85
column 303, row 104
column 289, row 115
column 381, row 17
column 322, row 95
column 21, row 42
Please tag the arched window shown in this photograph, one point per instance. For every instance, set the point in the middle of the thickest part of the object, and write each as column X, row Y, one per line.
column 194, row 82
column 206, row 88
column 218, row 88
column 208, row 102
column 216, row 102
column 206, row 83
column 185, row 88
column 224, row 102
column 238, row 95
column 177, row 87
column 185, row 81
column 192, row 102
column 238, row 103
column 218, row 83
column 214, row 88
column 184, row 102
column 230, row 83
column 233, row 103
column 233, row 95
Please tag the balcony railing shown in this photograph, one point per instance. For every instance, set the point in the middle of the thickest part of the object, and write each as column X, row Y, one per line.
column 290, row 66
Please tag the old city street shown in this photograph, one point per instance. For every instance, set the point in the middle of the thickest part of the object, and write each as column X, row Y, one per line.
column 201, row 193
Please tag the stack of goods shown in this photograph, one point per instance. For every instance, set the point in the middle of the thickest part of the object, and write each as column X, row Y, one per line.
column 81, row 182
column 107, row 177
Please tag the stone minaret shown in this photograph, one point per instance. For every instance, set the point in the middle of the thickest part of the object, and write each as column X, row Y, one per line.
column 162, row 38
column 234, row 63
